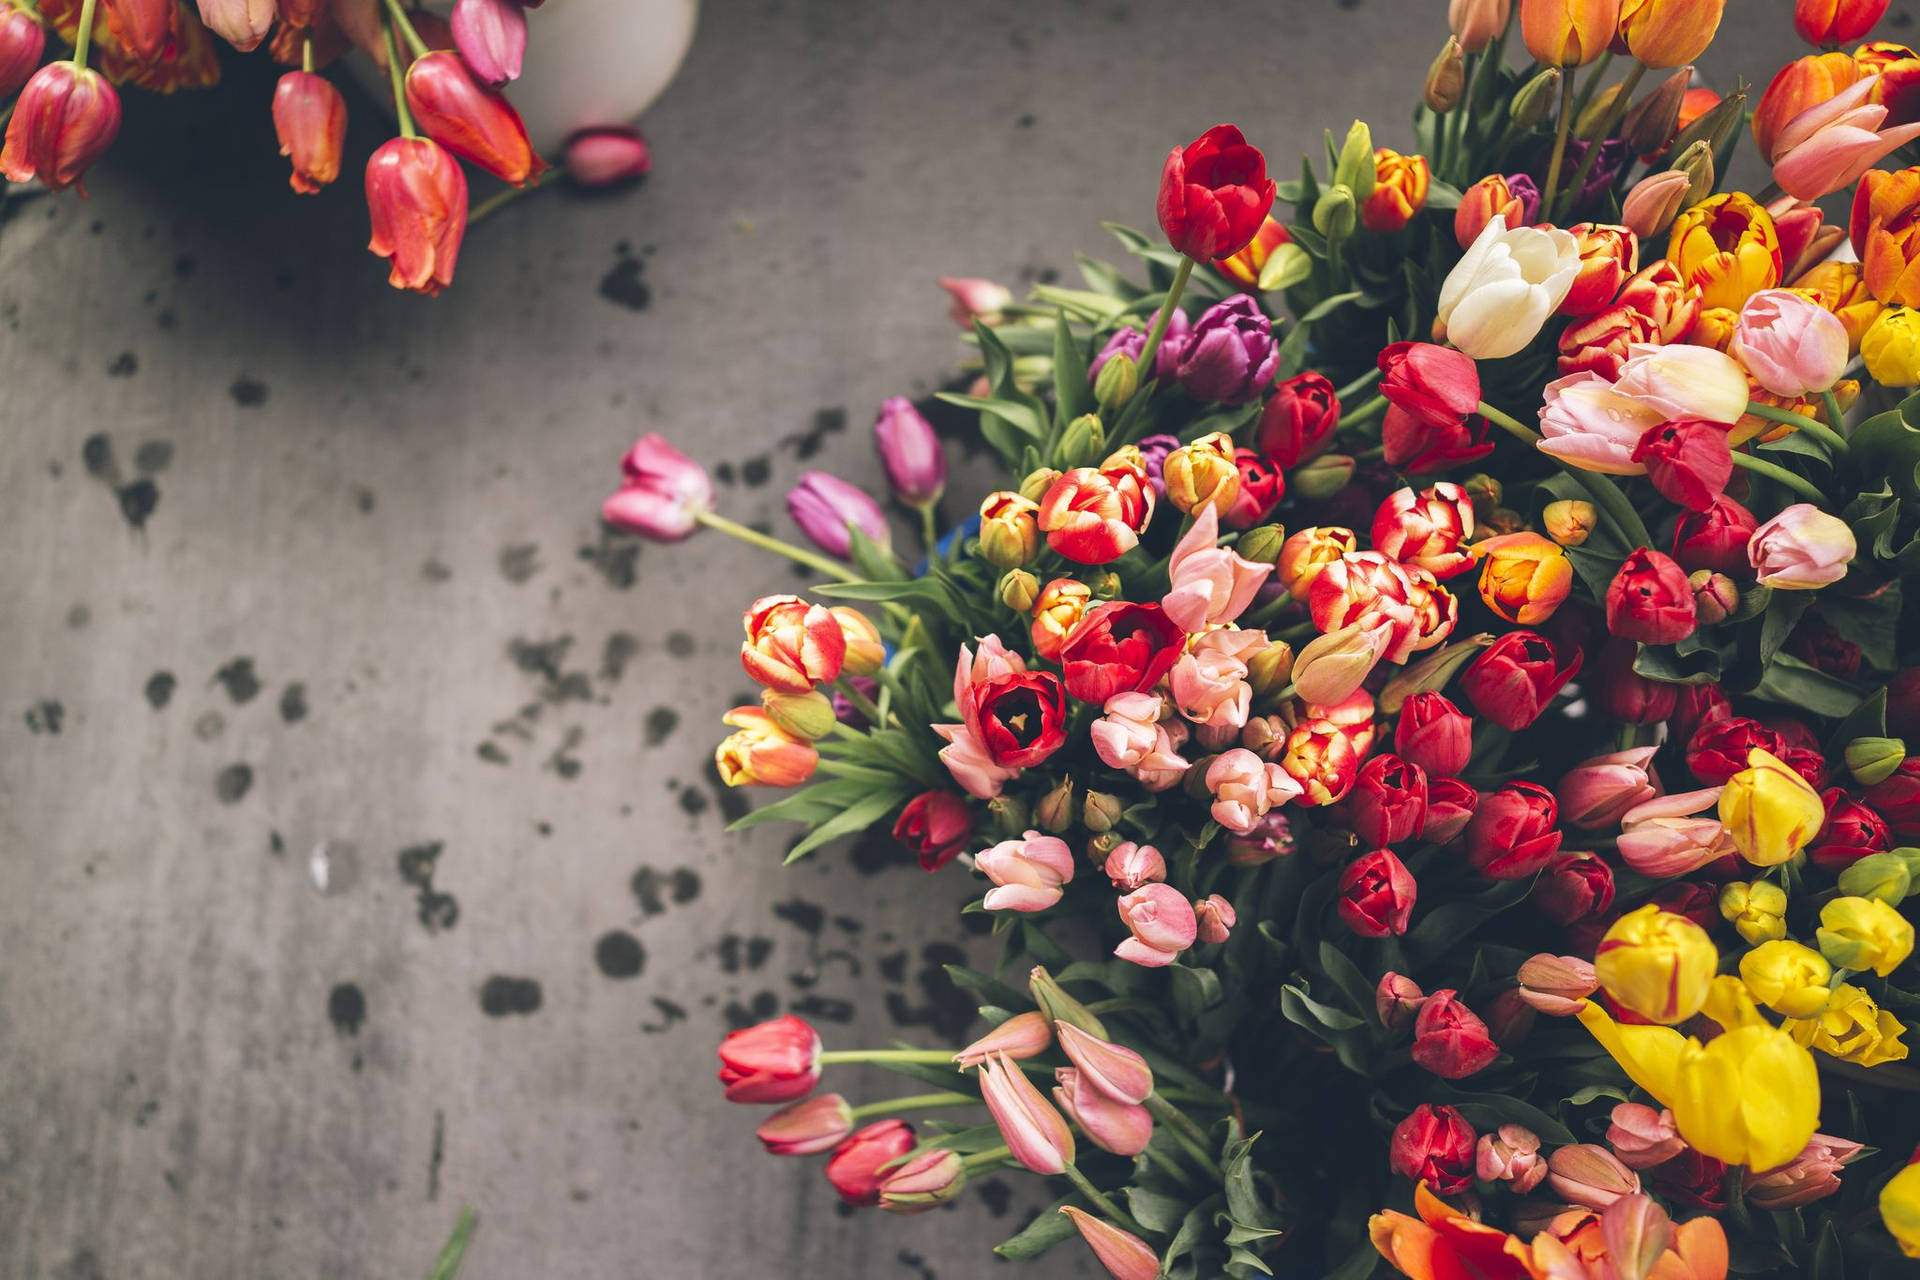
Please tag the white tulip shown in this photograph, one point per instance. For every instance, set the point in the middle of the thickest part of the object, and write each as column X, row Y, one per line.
column 1496, row 298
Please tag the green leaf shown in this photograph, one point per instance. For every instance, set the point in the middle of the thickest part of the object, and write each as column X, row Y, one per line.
column 1327, row 306
column 1868, row 720
column 811, row 804
column 1016, row 415
column 1783, row 614
column 1442, row 196
column 1303, row 1010
column 1666, row 663
column 990, row 988
column 872, row 559
column 1073, row 395
column 1040, row 1235
column 1347, row 976
column 1872, row 622
column 447, row 1265
column 1793, row 683
column 1154, row 1210
column 855, row 817
column 1488, row 1111
column 1194, row 990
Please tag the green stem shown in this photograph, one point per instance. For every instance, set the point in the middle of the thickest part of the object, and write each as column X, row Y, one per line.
column 991, row 1158
column 1835, row 442
column 414, row 42
column 1358, row 385
column 83, row 38
column 399, row 88
column 1616, row 111
column 500, row 199
column 1835, row 417
column 1161, row 321
column 1559, row 141
column 929, row 529
column 1760, row 467
column 913, row 1102
column 834, row 1057
column 1185, row 1132
column 306, row 54
column 1592, row 85
column 1167, row 1166
column 753, row 537
column 1605, row 492
column 1365, row 413
column 1099, row 1199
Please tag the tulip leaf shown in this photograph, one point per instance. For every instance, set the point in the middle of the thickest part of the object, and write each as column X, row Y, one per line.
column 1104, row 277
column 1347, row 976
column 1040, row 1235
column 1886, row 448
column 1327, row 306
column 1871, row 622
column 1018, row 416
column 1307, row 1012
column 858, row 816
column 1360, row 1264
column 1783, row 614
column 1791, row 682
column 872, row 559
column 1661, row 662
column 447, row 1265
column 1195, row 990
column 1829, row 1259
column 1868, row 720
column 1488, row 1111
column 810, row 804
column 1447, row 925
column 1443, row 196
column 991, row 988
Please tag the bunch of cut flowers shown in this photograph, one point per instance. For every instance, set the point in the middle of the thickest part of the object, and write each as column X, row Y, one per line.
column 1428, row 709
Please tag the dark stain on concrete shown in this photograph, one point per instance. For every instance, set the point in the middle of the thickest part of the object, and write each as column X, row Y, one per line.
column 248, row 393
column 239, row 679
column 619, row 954
column 520, row 562
column 661, row 722
column 622, row 285
column 46, row 716
column 437, row 911
column 159, row 689
column 346, row 1008
column 232, row 783
column 501, row 995
column 293, row 703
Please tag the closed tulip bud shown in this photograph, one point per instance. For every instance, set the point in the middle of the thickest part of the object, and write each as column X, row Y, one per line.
column 1434, row 1145
column 1864, row 933
column 1756, row 910
column 1354, row 166
column 1011, row 815
column 926, row 1181
column 1715, row 125
column 1263, row 544
column 1656, row 963
column 310, row 120
column 1027, row 873
column 417, row 200
column 1715, row 596
column 1831, row 22
column 1651, row 124
column 1769, row 810
column 1449, row 1039
column 1669, row 33
column 1124, row 1255
column 866, row 652
column 1388, row 803
column 1557, row 985
column 1336, row 212
column 1114, row 1070
column 1036, row 483
column 804, row 715
column 1203, row 473
column 807, row 1128
column 1884, row 877
column 1568, row 33
column 1025, row 1035
column 1123, row 1128
column 1569, row 521
column 1130, row 865
column 1811, row 1176
column 607, row 155
column 1084, row 440
column 241, row 23
column 1019, row 590
column 1323, row 477
column 827, row 509
column 1587, row 123
column 1099, row 811
column 1524, row 577
column 23, row 42
column 1590, row 1175
column 1036, row 1134
column 1649, row 599
column 1596, row 793
column 1377, row 895
column 1872, row 760
column 1059, row 1006
column 1214, row 194
column 65, row 117
column 1535, row 99
column 777, row 1061
column 761, row 753
column 1655, row 201
column 1510, row 1155
column 1900, row 1209
column 1009, row 530
column 1891, row 347
column 1269, row 670
column 1056, row 612
column 1446, row 78
column 1399, row 192
column 1396, row 1000
column 866, row 1158
column 1116, row 382
column 915, row 464
column 1643, row 1137
column 469, row 119
column 1696, row 162
column 1476, row 22
column 662, row 494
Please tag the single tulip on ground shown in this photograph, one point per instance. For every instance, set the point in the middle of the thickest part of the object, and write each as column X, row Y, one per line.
column 607, row 155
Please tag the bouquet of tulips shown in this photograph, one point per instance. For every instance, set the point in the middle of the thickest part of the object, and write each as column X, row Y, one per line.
column 61, row 116
column 1427, row 710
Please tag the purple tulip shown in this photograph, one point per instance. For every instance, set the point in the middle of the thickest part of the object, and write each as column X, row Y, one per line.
column 605, row 154
column 910, row 450
column 1524, row 189
column 1131, row 342
column 491, row 36
column 824, row 506
column 1155, row 450
column 1230, row 356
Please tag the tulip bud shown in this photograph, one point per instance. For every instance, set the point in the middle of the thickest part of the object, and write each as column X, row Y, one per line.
column 804, row 715
column 1325, row 476
column 1535, row 99
column 1214, row 918
column 1557, row 985
column 1569, row 521
column 1650, row 124
column 65, row 117
column 1025, row 1035
column 1590, row 1175
column 1757, row 910
column 1131, row 865
column 1657, row 964
column 1009, row 530
column 1787, row 977
column 1872, row 760
column 1019, row 590
column 1864, row 933
column 1084, row 440
column 1715, row 596
column 1587, row 123
column 1100, row 811
column 1882, row 876
column 1333, row 665
column 1354, row 169
column 807, row 1128
column 1714, row 127
column 1116, row 382
column 1035, row 1133
column 1035, row 486
column 1124, row 1255
column 1263, row 544
column 607, row 155
column 1011, row 815
column 1059, row 1006
column 1510, row 1155
column 1202, row 473
column 863, row 1161
column 1697, row 163
column 491, row 36
column 1642, row 1137
column 1396, row 1000
column 776, row 1061
column 1054, row 812
column 1655, row 201
column 926, row 1181
column 23, row 42
column 310, row 120
column 1269, row 670
column 1446, row 78
column 1336, row 211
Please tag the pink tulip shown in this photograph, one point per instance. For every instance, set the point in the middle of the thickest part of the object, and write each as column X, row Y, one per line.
column 1161, row 921
column 924, row 1182
column 1211, row 584
column 1128, row 732
column 1245, row 787
column 1034, row 1132
column 1124, row 1255
column 606, row 155
column 1397, row 1000
column 976, row 299
column 1131, row 865
column 1654, row 202
column 1557, row 986
column 1667, row 836
column 1643, row 1137
column 1209, row 680
column 1115, row 1070
column 1215, row 918
column 23, row 42
column 1801, row 548
column 1124, row 1128
column 1830, row 144
column 1585, row 423
column 1596, row 792
column 491, row 36
column 663, row 495
column 807, row 1128
column 1590, row 1175
column 1028, row 872
column 1791, row 345
column 967, row 760
column 1025, row 1035
column 1164, row 766
column 910, row 451
column 1812, row 1175
column 1510, row 1155
column 827, row 507
column 1682, row 381
column 241, row 23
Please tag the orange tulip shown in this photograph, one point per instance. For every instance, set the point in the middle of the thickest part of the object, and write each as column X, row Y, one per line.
column 1800, row 84
column 1822, row 22
column 1669, row 33
column 1480, row 202
column 1245, row 265
column 1523, row 576
column 1568, row 33
column 1885, row 229
column 1898, row 88
column 1444, row 1243
column 1399, row 191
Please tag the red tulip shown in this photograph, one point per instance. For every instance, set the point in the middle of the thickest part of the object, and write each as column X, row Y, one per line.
column 1716, row 538
column 1574, row 886
column 1437, row 385
column 1689, row 461
column 777, row 1061
column 1261, row 487
column 1421, row 448
column 1608, row 255
column 1396, row 1001
column 1852, row 831
column 65, row 117
column 807, row 1128
column 1514, row 679
column 1719, row 750
column 935, row 827
column 1092, row 515
column 1435, row 1145
column 1649, row 599
column 22, row 44
column 1625, row 694
column 1828, row 22
column 1297, row 422
column 1450, row 806
column 1434, row 734
column 417, row 197
column 1388, row 803
column 1022, row 717
column 310, row 118
column 1214, row 194
column 1512, row 834
column 863, row 1160
column 1450, row 1039
column 1377, row 894
column 1898, row 799
column 143, row 27
column 1119, row 647
column 469, row 119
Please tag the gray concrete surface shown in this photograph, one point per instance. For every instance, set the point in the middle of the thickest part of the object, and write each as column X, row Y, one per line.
column 384, row 507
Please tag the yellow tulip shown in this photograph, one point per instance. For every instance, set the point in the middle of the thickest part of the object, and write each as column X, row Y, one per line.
column 1770, row 811
column 1840, row 288
column 1852, row 1028
column 1900, row 1209
column 1657, row 963
column 1891, row 347
column 1669, row 33
column 1864, row 933
column 1751, row 1096
column 1523, row 576
column 1787, row 977
column 1757, row 910
column 1727, row 247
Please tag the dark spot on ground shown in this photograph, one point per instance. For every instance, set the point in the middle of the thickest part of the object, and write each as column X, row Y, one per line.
column 724, row 473
column 681, row 644
column 124, row 365
column 875, row 850
column 437, row 1154
column 764, row 1005
column 159, row 689
column 500, row 996
column 757, row 470
column 364, row 501
column 417, row 863
column 847, row 924
column 693, row 801
column 733, row 805
column 490, row 752
column 652, row 889
column 893, row 966
column 346, row 1008
column 153, row 456
column 232, row 783
column 97, row 452
column 209, row 726
column 239, row 679
column 619, row 954
column 434, row 571
column 805, row 916
column 46, row 716
column 736, row 952
column 563, row 762
column 622, row 284
column 996, row 1195
column 615, row 557
column 248, row 393
column 78, row 617
column 615, row 654
column 826, row 422
column 670, row 1013
column 661, row 722
column 137, row 501
column 823, row 1008
column 293, row 703
column 183, row 265
column 946, row 1009
column 1027, row 121
column 913, row 1261
column 519, row 562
